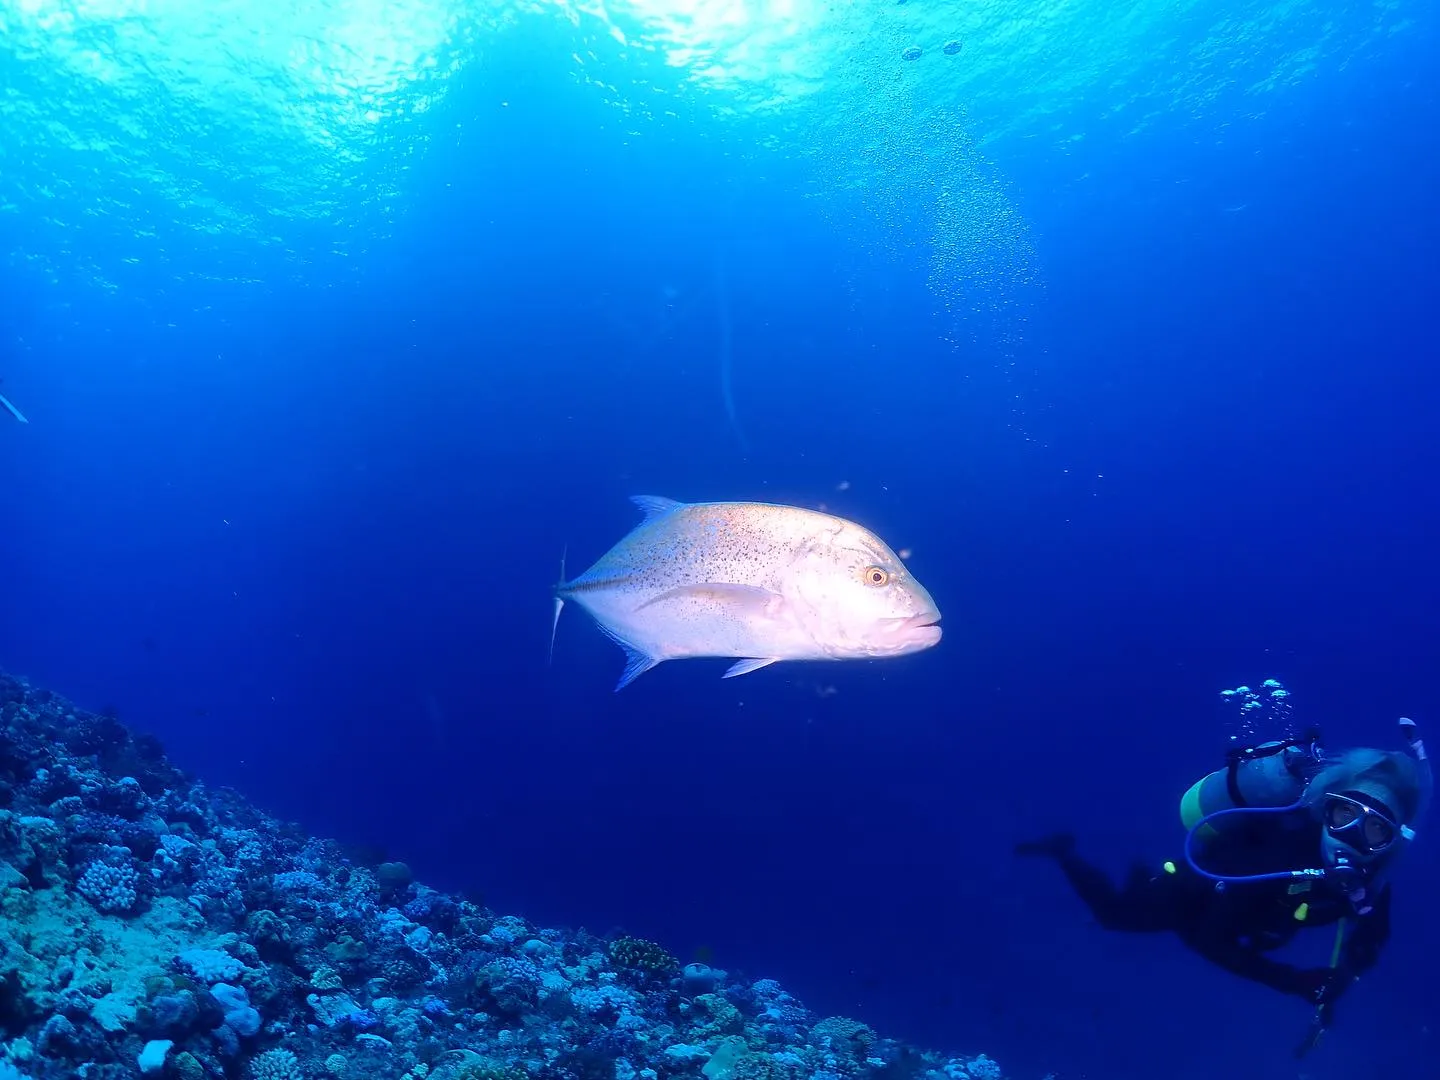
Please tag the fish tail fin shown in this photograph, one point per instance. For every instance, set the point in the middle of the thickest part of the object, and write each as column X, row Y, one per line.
column 12, row 410
column 559, row 603
column 554, row 625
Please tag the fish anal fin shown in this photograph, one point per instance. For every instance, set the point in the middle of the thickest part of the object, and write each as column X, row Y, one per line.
column 654, row 506
column 636, row 664
column 637, row 660
column 744, row 667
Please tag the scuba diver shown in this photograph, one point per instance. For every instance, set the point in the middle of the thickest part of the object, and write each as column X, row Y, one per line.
column 1284, row 837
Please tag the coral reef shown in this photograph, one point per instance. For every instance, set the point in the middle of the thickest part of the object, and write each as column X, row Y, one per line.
column 153, row 926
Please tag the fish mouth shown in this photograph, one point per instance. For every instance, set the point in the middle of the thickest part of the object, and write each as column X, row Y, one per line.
column 925, row 618
column 914, row 632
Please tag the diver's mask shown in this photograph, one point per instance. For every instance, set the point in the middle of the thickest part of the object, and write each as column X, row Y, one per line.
column 1358, row 839
column 1356, row 830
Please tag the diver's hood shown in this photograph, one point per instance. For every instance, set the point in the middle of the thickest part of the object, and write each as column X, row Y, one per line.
column 1377, row 795
column 1338, row 853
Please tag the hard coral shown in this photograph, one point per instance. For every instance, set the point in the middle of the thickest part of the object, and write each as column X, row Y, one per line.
column 641, row 955
column 842, row 1033
column 109, row 886
column 275, row 1065
column 138, row 904
column 468, row 1065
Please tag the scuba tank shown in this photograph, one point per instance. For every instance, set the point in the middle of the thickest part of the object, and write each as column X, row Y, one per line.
column 1271, row 779
column 1270, row 775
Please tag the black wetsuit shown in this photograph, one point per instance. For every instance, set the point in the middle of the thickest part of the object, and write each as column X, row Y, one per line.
column 1235, row 926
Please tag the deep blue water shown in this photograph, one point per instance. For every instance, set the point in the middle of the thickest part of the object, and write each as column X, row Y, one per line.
column 334, row 332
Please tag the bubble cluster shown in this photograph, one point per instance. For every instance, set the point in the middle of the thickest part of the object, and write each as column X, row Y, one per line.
column 1262, row 712
column 895, row 142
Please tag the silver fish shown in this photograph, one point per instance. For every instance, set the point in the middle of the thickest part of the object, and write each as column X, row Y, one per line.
column 757, row 581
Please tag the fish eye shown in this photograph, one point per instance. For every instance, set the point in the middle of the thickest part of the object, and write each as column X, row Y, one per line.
column 876, row 576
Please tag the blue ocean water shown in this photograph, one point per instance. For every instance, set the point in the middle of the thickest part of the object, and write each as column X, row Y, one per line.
column 336, row 323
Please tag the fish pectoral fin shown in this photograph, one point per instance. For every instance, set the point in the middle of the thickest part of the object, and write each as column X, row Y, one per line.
column 749, row 601
column 744, row 667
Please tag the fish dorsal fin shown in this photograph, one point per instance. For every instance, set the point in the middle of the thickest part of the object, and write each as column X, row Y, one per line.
column 653, row 506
